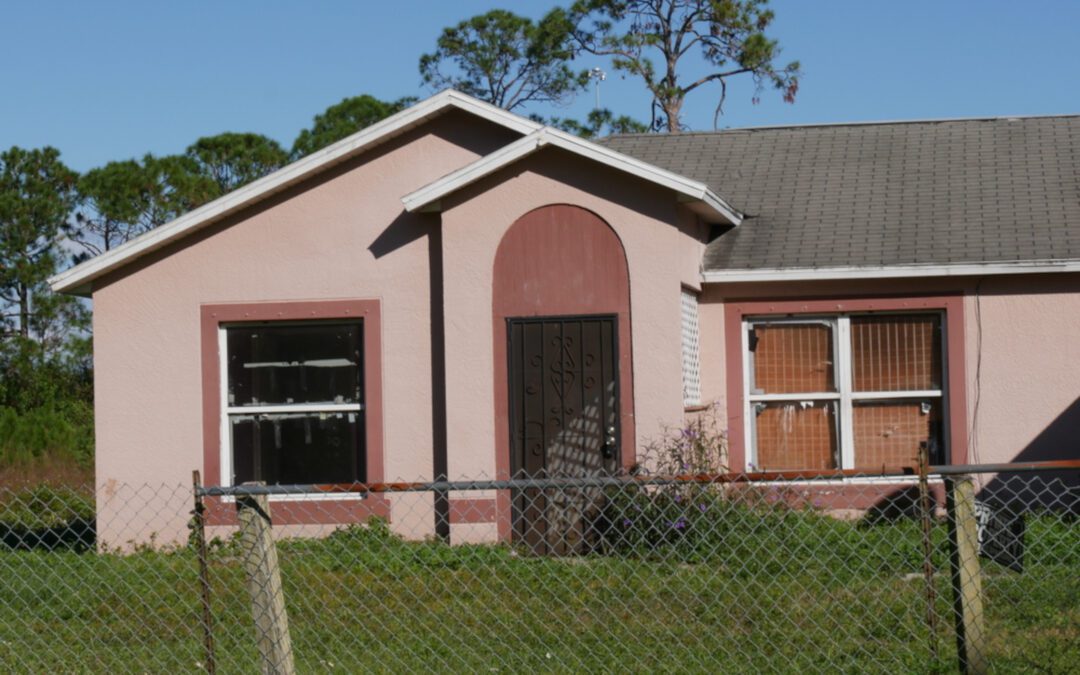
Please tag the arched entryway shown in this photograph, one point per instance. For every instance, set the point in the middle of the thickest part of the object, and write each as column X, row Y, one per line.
column 562, row 337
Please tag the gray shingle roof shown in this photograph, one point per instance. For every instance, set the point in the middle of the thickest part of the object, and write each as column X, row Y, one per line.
column 939, row 192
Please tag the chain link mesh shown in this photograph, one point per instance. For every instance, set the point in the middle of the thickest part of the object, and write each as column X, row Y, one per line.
column 552, row 576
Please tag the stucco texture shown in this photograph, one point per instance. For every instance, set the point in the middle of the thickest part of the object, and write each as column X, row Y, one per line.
column 341, row 235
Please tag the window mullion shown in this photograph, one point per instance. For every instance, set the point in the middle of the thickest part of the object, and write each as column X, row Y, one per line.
column 844, row 377
column 749, row 418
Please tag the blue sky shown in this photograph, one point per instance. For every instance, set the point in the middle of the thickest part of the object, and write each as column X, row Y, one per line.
column 113, row 80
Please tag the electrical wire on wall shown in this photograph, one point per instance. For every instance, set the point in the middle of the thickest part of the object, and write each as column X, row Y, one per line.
column 973, row 445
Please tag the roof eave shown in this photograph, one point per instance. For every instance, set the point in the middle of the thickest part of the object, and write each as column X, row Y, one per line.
column 78, row 280
column 696, row 195
column 969, row 269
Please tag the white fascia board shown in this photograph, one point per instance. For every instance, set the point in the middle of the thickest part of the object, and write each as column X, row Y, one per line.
column 78, row 278
column 892, row 272
column 689, row 190
column 431, row 193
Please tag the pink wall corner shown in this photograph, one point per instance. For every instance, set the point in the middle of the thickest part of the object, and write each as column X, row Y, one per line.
column 342, row 235
column 712, row 342
column 1024, row 395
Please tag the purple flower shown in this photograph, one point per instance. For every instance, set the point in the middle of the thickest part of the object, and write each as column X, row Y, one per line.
column 678, row 498
column 627, row 522
column 680, row 524
column 701, row 507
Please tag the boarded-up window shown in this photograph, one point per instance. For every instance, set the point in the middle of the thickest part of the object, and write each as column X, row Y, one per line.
column 796, row 436
column 896, row 353
column 792, row 358
column 846, row 391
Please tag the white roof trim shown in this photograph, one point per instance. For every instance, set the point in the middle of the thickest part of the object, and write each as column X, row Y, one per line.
column 892, row 272
column 427, row 197
column 79, row 278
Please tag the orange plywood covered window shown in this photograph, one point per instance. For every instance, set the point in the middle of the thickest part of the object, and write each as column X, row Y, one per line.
column 793, row 358
column 896, row 353
column 852, row 391
column 796, row 436
column 888, row 433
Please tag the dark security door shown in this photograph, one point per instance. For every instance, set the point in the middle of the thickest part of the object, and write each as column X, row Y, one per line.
column 564, row 403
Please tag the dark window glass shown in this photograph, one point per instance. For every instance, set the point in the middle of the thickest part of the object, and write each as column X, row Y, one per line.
column 315, row 363
column 298, row 448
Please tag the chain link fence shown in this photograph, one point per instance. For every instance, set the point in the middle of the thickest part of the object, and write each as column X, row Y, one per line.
column 722, row 573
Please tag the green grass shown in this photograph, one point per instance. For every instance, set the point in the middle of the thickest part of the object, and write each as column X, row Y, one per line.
column 767, row 590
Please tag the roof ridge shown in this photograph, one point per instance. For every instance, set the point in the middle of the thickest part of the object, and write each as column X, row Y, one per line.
column 865, row 123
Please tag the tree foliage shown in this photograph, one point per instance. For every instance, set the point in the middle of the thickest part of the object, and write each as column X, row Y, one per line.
column 232, row 160
column 728, row 35
column 599, row 122
column 344, row 119
column 506, row 59
column 37, row 192
column 43, row 332
column 124, row 199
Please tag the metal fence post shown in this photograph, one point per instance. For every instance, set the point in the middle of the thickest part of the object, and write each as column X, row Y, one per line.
column 199, row 531
column 264, row 584
column 966, row 575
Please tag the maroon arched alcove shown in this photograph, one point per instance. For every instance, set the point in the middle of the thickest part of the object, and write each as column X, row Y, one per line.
column 559, row 261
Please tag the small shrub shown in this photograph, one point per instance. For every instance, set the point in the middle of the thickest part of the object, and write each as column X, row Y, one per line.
column 63, row 433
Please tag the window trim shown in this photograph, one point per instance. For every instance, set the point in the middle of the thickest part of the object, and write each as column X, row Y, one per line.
column 216, row 316
column 950, row 304
column 845, row 397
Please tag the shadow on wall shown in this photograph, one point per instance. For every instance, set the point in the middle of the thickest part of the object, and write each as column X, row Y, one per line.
column 1054, row 490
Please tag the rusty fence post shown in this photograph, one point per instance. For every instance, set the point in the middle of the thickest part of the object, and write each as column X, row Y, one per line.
column 263, row 575
column 199, row 532
column 926, row 519
column 966, row 575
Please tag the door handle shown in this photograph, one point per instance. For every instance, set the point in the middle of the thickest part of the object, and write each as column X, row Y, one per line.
column 609, row 443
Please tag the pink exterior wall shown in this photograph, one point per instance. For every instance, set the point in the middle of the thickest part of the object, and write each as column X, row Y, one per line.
column 1026, row 386
column 342, row 235
column 646, row 220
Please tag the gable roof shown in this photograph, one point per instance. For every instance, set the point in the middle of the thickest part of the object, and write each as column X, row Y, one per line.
column 695, row 194
column 975, row 196
column 79, row 278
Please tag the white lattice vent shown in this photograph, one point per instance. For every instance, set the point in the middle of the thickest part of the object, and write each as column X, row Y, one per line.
column 691, row 366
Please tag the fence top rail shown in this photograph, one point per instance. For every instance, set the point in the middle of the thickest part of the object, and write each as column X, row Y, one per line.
column 253, row 489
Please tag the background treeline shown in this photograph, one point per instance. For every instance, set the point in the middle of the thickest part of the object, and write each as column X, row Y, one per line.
column 51, row 216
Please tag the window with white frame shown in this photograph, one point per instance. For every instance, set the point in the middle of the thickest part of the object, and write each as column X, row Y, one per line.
column 691, row 367
column 293, row 402
column 851, row 391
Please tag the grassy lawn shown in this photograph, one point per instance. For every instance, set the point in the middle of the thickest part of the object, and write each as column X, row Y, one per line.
column 782, row 591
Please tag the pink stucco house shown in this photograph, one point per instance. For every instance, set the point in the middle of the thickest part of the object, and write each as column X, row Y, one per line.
column 461, row 291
